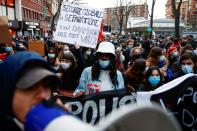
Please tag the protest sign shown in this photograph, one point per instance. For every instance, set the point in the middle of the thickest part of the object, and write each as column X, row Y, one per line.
column 37, row 46
column 4, row 30
column 175, row 95
column 92, row 108
column 78, row 24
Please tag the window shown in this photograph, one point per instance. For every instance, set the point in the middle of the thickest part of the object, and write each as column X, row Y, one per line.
column 2, row 11
column 2, row 2
column 33, row 16
column 30, row 14
column 10, row 3
column 27, row 15
column 11, row 13
column 23, row 14
column 37, row 16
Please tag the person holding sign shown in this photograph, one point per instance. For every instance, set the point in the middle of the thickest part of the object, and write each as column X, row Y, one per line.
column 102, row 75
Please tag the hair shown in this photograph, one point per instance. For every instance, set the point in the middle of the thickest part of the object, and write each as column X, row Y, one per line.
column 187, row 55
column 53, row 49
column 149, row 73
column 155, row 52
column 112, row 69
column 154, row 55
column 69, row 56
column 130, row 40
column 137, row 68
column 186, row 48
column 135, row 48
column 176, row 40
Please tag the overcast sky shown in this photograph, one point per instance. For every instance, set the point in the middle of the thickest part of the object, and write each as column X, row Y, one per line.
column 159, row 6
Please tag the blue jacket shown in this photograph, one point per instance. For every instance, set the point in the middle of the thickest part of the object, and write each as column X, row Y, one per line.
column 86, row 81
column 9, row 71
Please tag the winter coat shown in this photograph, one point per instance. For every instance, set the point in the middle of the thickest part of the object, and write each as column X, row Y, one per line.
column 9, row 71
column 86, row 81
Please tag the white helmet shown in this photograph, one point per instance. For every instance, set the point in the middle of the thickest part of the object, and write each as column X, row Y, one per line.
column 106, row 47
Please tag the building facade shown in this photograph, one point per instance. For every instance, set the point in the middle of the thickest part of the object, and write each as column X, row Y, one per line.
column 110, row 19
column 188, row 12
column 36, row 17
column 8, row 8
column 29, row 17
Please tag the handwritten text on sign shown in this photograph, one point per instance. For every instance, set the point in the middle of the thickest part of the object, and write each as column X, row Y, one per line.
column 78, row 24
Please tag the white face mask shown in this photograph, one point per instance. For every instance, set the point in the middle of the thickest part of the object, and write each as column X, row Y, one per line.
column 66, row 51
column 122, row 58
column 65, row 66
column 88, row 52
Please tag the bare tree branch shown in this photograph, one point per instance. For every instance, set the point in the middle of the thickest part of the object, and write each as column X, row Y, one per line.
column 122, row 13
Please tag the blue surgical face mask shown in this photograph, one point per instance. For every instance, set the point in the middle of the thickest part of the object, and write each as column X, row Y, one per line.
column 195, row 52
column 162, row 58
column 65, row 66
column 51, row 55
column 175, row 54
column 104, row 63
column 154, row 80
column 161, row 61
column 187, row 69
column 8, row 49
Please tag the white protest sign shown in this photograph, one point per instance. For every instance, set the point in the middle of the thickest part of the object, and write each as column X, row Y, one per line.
column 78, row 24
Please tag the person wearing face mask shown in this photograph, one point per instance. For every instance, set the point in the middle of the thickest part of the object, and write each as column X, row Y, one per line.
column 71, row 70
column 173, row 55
column 52, row 58
column 126, row 52
column 9, row 50
column 102, row 75
column 154, row 78
column 156, row 58
column 136, row 53
column 187, row 64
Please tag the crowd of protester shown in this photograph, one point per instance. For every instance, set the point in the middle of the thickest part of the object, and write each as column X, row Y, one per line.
column 136, row 63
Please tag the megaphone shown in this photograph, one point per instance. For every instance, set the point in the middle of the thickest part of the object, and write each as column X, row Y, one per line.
column 134, row 117
column 43, row 117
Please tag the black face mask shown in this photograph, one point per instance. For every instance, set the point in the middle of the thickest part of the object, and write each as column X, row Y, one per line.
column 137, row 56
column 51, row 61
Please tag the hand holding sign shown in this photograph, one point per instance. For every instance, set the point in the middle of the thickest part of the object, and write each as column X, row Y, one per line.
column 79, row 24
column 77, row 46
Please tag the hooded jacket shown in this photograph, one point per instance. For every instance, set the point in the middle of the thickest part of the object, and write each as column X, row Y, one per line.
column 9, row 71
